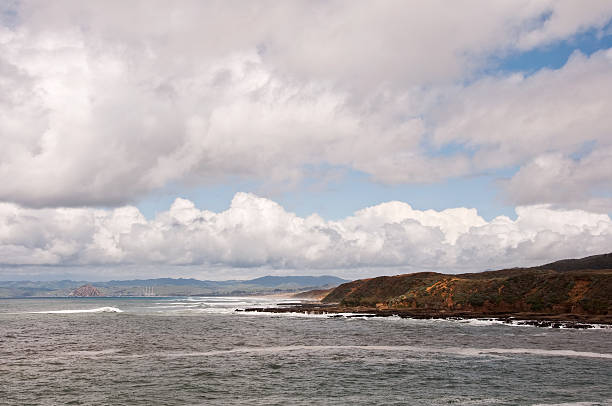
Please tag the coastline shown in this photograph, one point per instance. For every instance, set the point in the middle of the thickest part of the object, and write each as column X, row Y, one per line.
column 572, row 320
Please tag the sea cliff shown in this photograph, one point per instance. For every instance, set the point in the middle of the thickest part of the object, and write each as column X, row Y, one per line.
column 575, row 289
column 553, row 288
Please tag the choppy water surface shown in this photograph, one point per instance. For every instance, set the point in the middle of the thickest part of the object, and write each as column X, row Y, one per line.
column 188, row 351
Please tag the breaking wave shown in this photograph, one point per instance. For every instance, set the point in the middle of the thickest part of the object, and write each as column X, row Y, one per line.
column 607, row 402
column 106, row 309
column 468, row 352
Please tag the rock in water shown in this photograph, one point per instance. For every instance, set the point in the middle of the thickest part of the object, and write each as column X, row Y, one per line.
column 85, row 291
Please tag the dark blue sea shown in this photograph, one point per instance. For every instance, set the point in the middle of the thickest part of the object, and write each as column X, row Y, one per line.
column 199, row 351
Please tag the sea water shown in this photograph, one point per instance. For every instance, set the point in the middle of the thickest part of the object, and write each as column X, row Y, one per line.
column 200, row 351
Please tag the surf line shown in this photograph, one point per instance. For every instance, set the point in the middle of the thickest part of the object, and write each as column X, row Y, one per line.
column 106, row 309
column 467, row 352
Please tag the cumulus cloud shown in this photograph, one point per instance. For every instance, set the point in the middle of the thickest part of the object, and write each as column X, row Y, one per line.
column 98, row 110
column 256, row 235
column 515, row 117
column 555, row 124
column 563, row 181
column 565, row 18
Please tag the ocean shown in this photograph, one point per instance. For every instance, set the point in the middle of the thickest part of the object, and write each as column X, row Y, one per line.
column 199, row 351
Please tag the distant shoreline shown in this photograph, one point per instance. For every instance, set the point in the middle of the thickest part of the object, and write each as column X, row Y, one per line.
column 288, row 295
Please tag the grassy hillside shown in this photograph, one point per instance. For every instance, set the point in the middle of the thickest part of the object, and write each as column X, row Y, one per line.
column 582, row 286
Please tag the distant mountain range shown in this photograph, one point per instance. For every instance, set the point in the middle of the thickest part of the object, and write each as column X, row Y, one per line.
column 171, row 286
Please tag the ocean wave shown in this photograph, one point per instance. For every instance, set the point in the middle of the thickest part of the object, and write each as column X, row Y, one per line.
column 172, row 307
column 211, row 305
column 250, row 299
column 106, row 309
column 480, row 322
column 90, row 353
column 530, row 351
column 606, row 402
column 476, row 322
column 469, row 352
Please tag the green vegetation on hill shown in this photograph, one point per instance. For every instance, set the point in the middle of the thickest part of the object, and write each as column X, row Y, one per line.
column 582, row 286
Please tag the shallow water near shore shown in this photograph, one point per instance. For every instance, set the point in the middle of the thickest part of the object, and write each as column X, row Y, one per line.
column 190, row 351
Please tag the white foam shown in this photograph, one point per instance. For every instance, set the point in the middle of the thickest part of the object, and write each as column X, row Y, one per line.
column 284, row 314
column 106, row 309
column 214, row 304
column 311, row 349
column 480, row 322
column 173, row 307
column 90, row 353
column 471, row 352
column 470, row 322
column 529, row 351
column 607, row 402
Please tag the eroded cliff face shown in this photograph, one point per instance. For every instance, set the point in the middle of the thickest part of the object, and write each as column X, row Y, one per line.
column 562, row 287
column 86, row 291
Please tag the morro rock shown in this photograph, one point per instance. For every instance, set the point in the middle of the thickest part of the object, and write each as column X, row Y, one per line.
column 86, row 291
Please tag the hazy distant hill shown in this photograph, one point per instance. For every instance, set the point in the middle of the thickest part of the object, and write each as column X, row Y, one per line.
column 170, row 286
column 297, row 281
column 567, row 286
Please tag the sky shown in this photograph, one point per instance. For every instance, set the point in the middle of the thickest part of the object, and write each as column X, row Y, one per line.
column 231, row 139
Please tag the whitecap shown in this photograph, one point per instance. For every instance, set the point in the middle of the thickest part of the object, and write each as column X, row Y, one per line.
column 549, row 353
column 471, row 352
column 481, row 322
column 89, row 353
column 461, row 351
column 173, row 307
column 470, row 322
column 106, row 309
column 607, row 402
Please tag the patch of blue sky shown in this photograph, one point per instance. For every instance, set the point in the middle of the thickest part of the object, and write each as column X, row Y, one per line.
column 356, row 191
column 602, row 192
column 8, row 14
column 585, row 149
column 344, row 194
column 551, row 56
column 214, row 197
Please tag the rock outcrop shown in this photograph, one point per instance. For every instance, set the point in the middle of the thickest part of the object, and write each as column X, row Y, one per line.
column 86, row 291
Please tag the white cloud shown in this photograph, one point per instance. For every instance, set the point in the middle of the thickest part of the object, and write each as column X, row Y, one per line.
column 539, row 122
column 563, row 181
column 256, row 235
column 566, row 18
column 512, row 118
column 101, row 103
